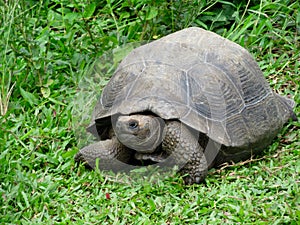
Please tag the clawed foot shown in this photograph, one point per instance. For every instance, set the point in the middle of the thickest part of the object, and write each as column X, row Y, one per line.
column 194, row 178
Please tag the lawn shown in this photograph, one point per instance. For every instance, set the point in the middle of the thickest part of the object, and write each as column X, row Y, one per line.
column 47, row 50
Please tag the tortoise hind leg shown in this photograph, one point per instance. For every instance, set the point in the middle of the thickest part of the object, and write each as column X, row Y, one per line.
column 289, row 104
column 184, row 148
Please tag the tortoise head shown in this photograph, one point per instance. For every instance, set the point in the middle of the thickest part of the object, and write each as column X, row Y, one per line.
column 142, row 133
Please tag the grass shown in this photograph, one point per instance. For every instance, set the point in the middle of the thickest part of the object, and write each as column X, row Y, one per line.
column 48, row 46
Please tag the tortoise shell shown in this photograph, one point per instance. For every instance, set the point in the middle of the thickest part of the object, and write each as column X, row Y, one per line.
column 205, row 81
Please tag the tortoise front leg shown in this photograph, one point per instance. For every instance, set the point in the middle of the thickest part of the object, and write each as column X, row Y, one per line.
column 185, row 150
column 111, row 153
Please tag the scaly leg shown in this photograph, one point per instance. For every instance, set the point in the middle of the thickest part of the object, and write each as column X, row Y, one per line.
column 185, row 150
column 111, row 153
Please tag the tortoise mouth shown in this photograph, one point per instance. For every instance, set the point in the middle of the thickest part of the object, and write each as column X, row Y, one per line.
column 153, row 157
column 147, row 158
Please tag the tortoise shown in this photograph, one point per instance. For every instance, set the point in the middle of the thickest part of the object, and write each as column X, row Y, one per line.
column 191, row 98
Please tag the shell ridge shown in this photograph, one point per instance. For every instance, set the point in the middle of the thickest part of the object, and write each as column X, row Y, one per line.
column 229, row 79
column 133, row 83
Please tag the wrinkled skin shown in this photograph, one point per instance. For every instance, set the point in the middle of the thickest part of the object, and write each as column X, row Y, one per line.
column 139, row 132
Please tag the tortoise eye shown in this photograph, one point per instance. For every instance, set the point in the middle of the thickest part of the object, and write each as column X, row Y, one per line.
column 133, row 124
